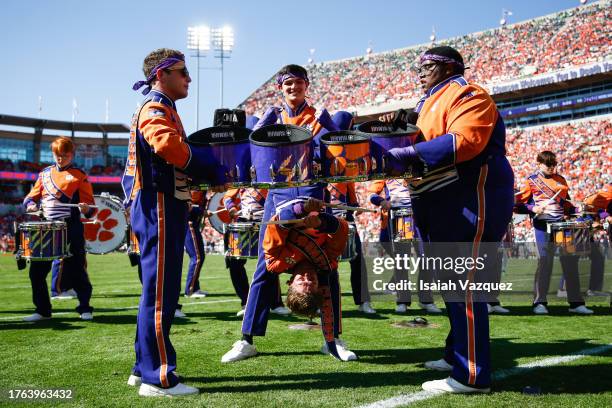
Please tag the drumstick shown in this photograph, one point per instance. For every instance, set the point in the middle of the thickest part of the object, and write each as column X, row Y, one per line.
column 218, row 211
column 283, row 222
column 76, row 205
column 349, row 208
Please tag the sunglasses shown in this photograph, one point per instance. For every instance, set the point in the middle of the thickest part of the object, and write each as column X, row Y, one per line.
column 426, row 68
column 183, row 71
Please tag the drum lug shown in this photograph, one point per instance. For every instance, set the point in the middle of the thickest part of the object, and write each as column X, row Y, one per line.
column 365, row 165
column 253, row 173
column 373, row 164
column 237, row 172
column 336, row 167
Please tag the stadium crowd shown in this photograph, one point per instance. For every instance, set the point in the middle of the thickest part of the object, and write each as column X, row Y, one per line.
column 568, row 38
column 115, row 168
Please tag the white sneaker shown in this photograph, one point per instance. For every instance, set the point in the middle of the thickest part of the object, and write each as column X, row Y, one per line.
column 281, row 310
column 561, row 293
column 366, row 308
column 451, row 385
column 343, row 351
column 148, row 390
column 497, row 309
column 540, row 309
column 401, row 308
column 596, row 293
column 134, row 380
column 197, row 294
column 36, row 317
column 240, row 351
column 68, row 294
column 87, row 316
column 438, row 365
column 71, row 292
column 180, row 314
column 240, row 313
column 430, row 307
column 582, row 309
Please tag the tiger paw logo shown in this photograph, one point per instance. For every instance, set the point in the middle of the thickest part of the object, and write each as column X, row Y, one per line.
column 100, row 228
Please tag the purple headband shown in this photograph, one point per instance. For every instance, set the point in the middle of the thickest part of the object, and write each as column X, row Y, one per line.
column 165, row 63
column 440, row 58
column 282, row 78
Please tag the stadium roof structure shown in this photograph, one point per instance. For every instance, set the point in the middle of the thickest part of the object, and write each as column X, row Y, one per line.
column 37, row 123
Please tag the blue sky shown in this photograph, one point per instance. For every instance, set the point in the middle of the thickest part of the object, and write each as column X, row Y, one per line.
column 93, row 51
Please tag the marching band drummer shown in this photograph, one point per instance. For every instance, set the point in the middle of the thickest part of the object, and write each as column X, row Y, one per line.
column 393, row 194
column 247, row 205
column 155, row 185
column 57, row 185
column 545, row 197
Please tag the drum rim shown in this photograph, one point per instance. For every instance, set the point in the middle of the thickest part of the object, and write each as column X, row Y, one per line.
column 48, row 223
column 243, row 134
column 264, row 129
column 253, row 225
column 392, row 133
column 324, row 138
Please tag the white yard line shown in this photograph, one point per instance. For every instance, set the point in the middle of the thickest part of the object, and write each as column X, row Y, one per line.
column 407, row 399
column 204, row 302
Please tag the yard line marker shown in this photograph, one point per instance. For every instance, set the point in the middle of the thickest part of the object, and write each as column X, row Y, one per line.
column 407, row 399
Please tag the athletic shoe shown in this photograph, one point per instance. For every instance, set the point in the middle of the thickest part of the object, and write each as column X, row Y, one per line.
column 540, row 309
column 497, row 309
column 438, row 365
column 240, row 351
column 148, row 390
column 281, row 310
column 36, row 317
column 366, row 308
column 582, row 309
column 197, row 294
column 180, row 314
column 134, row 380
column 451, row 385
column 240, row 313
column 87, row 316
column 596, row 293
column 561, row 293
column 401, row 308
column 430, row 307
column 71, row 292
column 343, row 351
column 68, row 294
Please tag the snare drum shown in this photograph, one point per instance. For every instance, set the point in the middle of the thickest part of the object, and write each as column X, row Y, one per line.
column 105, row 232
column 229, row 145
column 572, row 237
column 382, row 139
column 345, row 156
column 402, row 225
column 281, row 156
column 350, row 251
column 42, row 240
column 241, row 240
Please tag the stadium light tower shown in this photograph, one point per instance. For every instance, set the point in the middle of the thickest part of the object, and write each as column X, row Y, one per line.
column 198, row 41
column 311, row 58
column 223, row 44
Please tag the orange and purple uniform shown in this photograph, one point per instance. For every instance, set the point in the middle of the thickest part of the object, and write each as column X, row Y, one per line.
column 55, row 187
column 194, row 244
column 601, row 200
column 551, row 192
column 465, row 196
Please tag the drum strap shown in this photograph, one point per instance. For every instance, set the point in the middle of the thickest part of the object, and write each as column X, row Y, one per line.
column 544, row 188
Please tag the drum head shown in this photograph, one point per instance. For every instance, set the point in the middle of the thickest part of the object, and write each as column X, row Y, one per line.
column 217, row 135
column 105, row 231
column 217, row 220
column 280, row 135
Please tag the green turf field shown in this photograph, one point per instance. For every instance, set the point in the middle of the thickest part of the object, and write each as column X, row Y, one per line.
column 94, row 358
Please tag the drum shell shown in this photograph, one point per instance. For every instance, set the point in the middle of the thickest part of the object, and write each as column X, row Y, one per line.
column 572, row 237
column 242, row 240
column 382, row 139
column 42, row 240
column 345, row 156
column 281, row 156
column 230, row 146
column 402, row 225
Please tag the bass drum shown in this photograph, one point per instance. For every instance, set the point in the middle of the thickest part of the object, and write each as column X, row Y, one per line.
column 105, row 231
column 220, row 218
